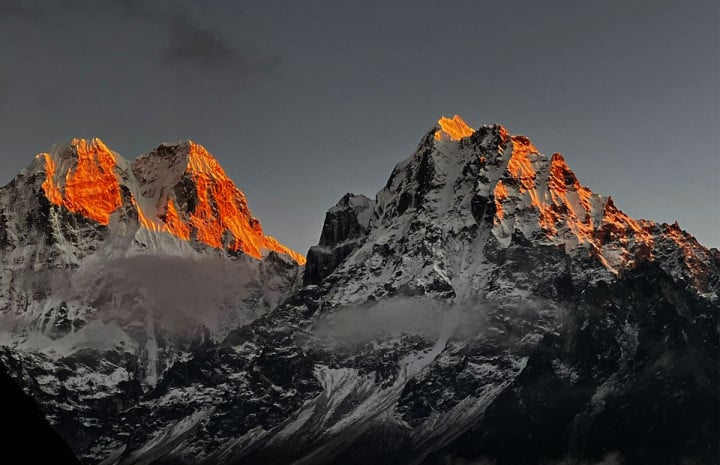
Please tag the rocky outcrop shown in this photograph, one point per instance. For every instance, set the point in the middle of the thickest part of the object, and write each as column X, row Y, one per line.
column 345, row 225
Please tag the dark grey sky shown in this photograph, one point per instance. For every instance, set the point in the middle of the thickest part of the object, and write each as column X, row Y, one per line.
column 304, row 101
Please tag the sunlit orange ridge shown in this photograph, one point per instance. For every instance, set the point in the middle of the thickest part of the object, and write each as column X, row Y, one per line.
column 453, row 128
column 90, row 188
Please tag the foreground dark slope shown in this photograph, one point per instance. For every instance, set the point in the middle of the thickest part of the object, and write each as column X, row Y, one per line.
column 25, row 435
column 485, row 307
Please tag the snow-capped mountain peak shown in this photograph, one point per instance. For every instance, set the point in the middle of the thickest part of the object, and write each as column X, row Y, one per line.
column 186, row 193
column 91, row 243
column 468, row 193
column 177, row 189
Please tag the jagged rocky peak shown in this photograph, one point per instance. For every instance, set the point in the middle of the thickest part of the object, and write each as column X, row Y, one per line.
column 177, row 189
column 174, row 160
column 540, row 197
column 467, row 193
column 346, row 220
column 187, row 194
column 345, row 225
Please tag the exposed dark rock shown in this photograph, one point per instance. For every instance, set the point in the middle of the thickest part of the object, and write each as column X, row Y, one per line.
column 344, row 225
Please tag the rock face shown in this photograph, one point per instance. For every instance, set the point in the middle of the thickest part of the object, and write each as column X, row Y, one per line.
column 485, row 307
column 346, row 225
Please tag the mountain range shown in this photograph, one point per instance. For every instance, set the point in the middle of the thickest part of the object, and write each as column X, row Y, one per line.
column 484, row 307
